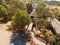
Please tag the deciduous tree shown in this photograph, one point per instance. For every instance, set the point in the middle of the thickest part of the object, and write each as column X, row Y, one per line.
column 20, row 19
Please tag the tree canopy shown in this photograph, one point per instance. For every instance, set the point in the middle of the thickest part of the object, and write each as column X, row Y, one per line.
column 20, row 19
column 29, row 7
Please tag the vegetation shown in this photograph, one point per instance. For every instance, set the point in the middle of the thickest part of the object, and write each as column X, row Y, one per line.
column 43, row 23
column 41, row 10
column 17, row 4
column 29, row 7
column 7, row 10
column 42, row 16
column 20, row 19
column 3, row 12
column 53, row 40
column 15, row 11
column 55, row 13
column 58, row 17
column 53, row 3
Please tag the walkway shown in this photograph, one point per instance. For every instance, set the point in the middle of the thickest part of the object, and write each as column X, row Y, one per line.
column 34, row 39
column 7, row 37
column 55, row 24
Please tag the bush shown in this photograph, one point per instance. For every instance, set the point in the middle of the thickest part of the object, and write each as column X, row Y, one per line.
column 6, row 11
column 3, row 12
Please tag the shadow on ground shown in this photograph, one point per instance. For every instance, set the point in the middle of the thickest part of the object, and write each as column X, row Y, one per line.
column 17, row 40
column 3, row 22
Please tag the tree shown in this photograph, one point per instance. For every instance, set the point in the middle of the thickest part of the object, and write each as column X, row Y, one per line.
column 42, row 16
column 10, row 11
column 53, row 40
column 2, row 1
column 6, row 11
column 20, row 19
column 3, row 12
column 29, row 7
column 54, row 13
column 41, row 10
column 48, row 12
column 58, row 17
column 57, row 37
column 49, row 38
column 17, row 4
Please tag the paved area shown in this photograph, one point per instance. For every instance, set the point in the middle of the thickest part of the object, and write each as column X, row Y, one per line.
column 5, row 37
column 36, row 41
column 55, row 24
column 3, row 27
